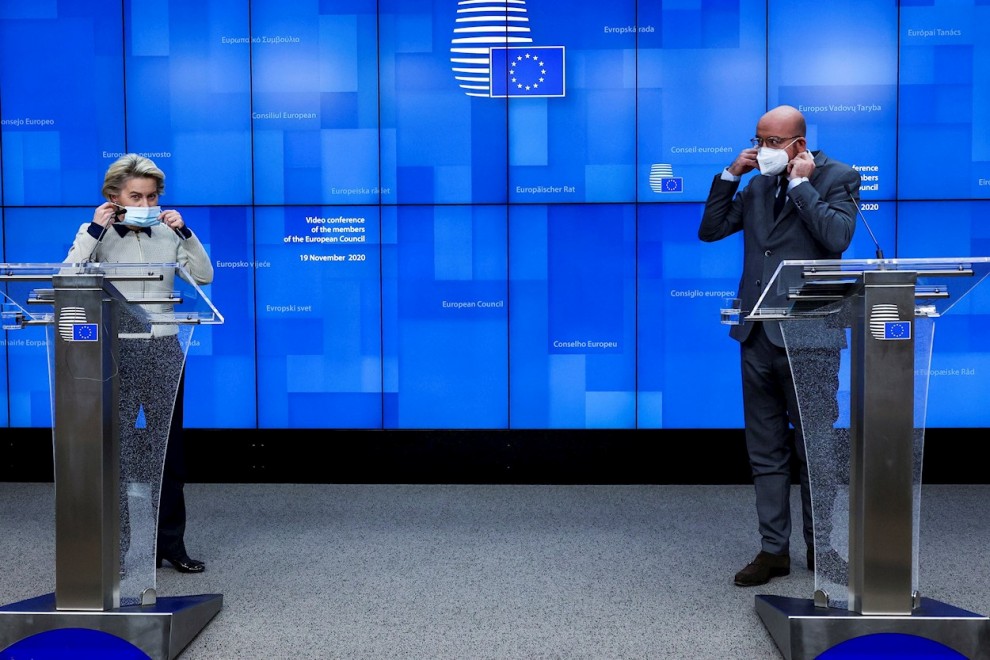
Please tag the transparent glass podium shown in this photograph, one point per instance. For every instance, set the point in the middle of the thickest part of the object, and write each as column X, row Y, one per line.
column 859, row 337
column 117, row 337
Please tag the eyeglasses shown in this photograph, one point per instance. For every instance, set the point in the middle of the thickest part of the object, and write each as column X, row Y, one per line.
column 773, row 141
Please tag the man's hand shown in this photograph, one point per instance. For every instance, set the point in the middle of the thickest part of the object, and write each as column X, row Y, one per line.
column 744, row 162
column 802, row 165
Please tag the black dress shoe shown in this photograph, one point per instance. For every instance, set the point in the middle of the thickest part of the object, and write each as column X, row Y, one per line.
column 182, row 563
column 766, row 565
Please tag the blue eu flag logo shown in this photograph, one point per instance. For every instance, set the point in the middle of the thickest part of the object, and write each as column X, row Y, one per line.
column 85, row 332
column 662, row 179
column 897, row 330
column 527, row 71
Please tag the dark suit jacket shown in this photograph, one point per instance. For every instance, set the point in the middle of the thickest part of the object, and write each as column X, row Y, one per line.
column 817, row 222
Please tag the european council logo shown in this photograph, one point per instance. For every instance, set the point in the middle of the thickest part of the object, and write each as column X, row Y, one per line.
column 662, row 179
column 492, row 53
column 886, row 324
column 73, row 325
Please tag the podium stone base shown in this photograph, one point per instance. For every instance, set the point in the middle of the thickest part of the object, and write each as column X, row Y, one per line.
column 161, row 630
column 802, row 630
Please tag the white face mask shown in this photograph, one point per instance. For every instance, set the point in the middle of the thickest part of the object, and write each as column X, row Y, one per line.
column 141, row 216
column 771, row 161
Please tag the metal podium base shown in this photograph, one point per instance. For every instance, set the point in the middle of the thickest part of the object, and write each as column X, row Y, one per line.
column 802, row 630
column 161, row 630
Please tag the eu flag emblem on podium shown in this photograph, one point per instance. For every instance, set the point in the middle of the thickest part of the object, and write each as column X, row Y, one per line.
column 85, row 332
column 897, row 330
column 887, row 325
column 534, row 71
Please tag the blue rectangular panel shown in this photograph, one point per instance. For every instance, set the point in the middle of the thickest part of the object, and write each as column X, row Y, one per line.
column 443, row 137
column 221, row 387
column 691, row 59
column 188, row 96
column 27, row 354
column 685, row 356
column 315, row 102
column 849, row 94
column 62, row 99
column 445, row 323
column 318, row 310
column 959, row 372
column 572, row 333
column 944, row 101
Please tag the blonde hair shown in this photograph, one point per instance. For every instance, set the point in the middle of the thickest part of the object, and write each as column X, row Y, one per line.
column 131, row 166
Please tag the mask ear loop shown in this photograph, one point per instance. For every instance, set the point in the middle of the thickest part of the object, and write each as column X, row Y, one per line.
column 120, row 211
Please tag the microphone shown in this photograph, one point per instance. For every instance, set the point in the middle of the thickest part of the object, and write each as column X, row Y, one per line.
column 863, row 218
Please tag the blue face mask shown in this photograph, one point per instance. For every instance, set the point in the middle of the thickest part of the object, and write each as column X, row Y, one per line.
column 141, row 216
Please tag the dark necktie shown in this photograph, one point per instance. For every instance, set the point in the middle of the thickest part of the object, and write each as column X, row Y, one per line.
column 778, row 203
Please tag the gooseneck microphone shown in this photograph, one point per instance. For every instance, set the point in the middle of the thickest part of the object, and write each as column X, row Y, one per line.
column 863, row 218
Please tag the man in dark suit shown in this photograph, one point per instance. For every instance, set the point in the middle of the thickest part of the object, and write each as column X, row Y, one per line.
column 814, row 218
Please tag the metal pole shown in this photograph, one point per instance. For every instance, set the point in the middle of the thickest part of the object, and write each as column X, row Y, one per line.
column 882, row 435
column 87, row 465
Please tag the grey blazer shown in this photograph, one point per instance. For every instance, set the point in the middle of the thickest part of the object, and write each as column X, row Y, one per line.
column 817, row 222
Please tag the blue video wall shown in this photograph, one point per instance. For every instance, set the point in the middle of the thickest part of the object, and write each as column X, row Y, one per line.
column 448, row 214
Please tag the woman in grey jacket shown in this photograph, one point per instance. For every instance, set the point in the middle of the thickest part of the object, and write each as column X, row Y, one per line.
column 130, row 228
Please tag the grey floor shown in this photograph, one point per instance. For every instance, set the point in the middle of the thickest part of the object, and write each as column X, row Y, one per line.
column 437, row 571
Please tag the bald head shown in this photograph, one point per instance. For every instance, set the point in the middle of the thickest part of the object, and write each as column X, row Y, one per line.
column 784, row 120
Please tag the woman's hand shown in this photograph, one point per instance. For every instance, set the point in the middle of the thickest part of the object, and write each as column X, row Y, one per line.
column 105, row 214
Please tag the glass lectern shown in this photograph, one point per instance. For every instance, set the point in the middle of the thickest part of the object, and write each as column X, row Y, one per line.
column 117, row 337
column 859, row 337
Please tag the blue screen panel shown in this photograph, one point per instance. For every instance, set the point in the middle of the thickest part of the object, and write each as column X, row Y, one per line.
column 188, row 97
column 445, row 317
column 315, row 103
column 220, row 388
column 443, row 140
column 843, row 77
column 685, row 355
column 62, row 99
column 944, row 101
column 701, row 86
column 572, row 140
column 960, row 369
column 572, row 283
column 48, row 242
column 318, row 310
